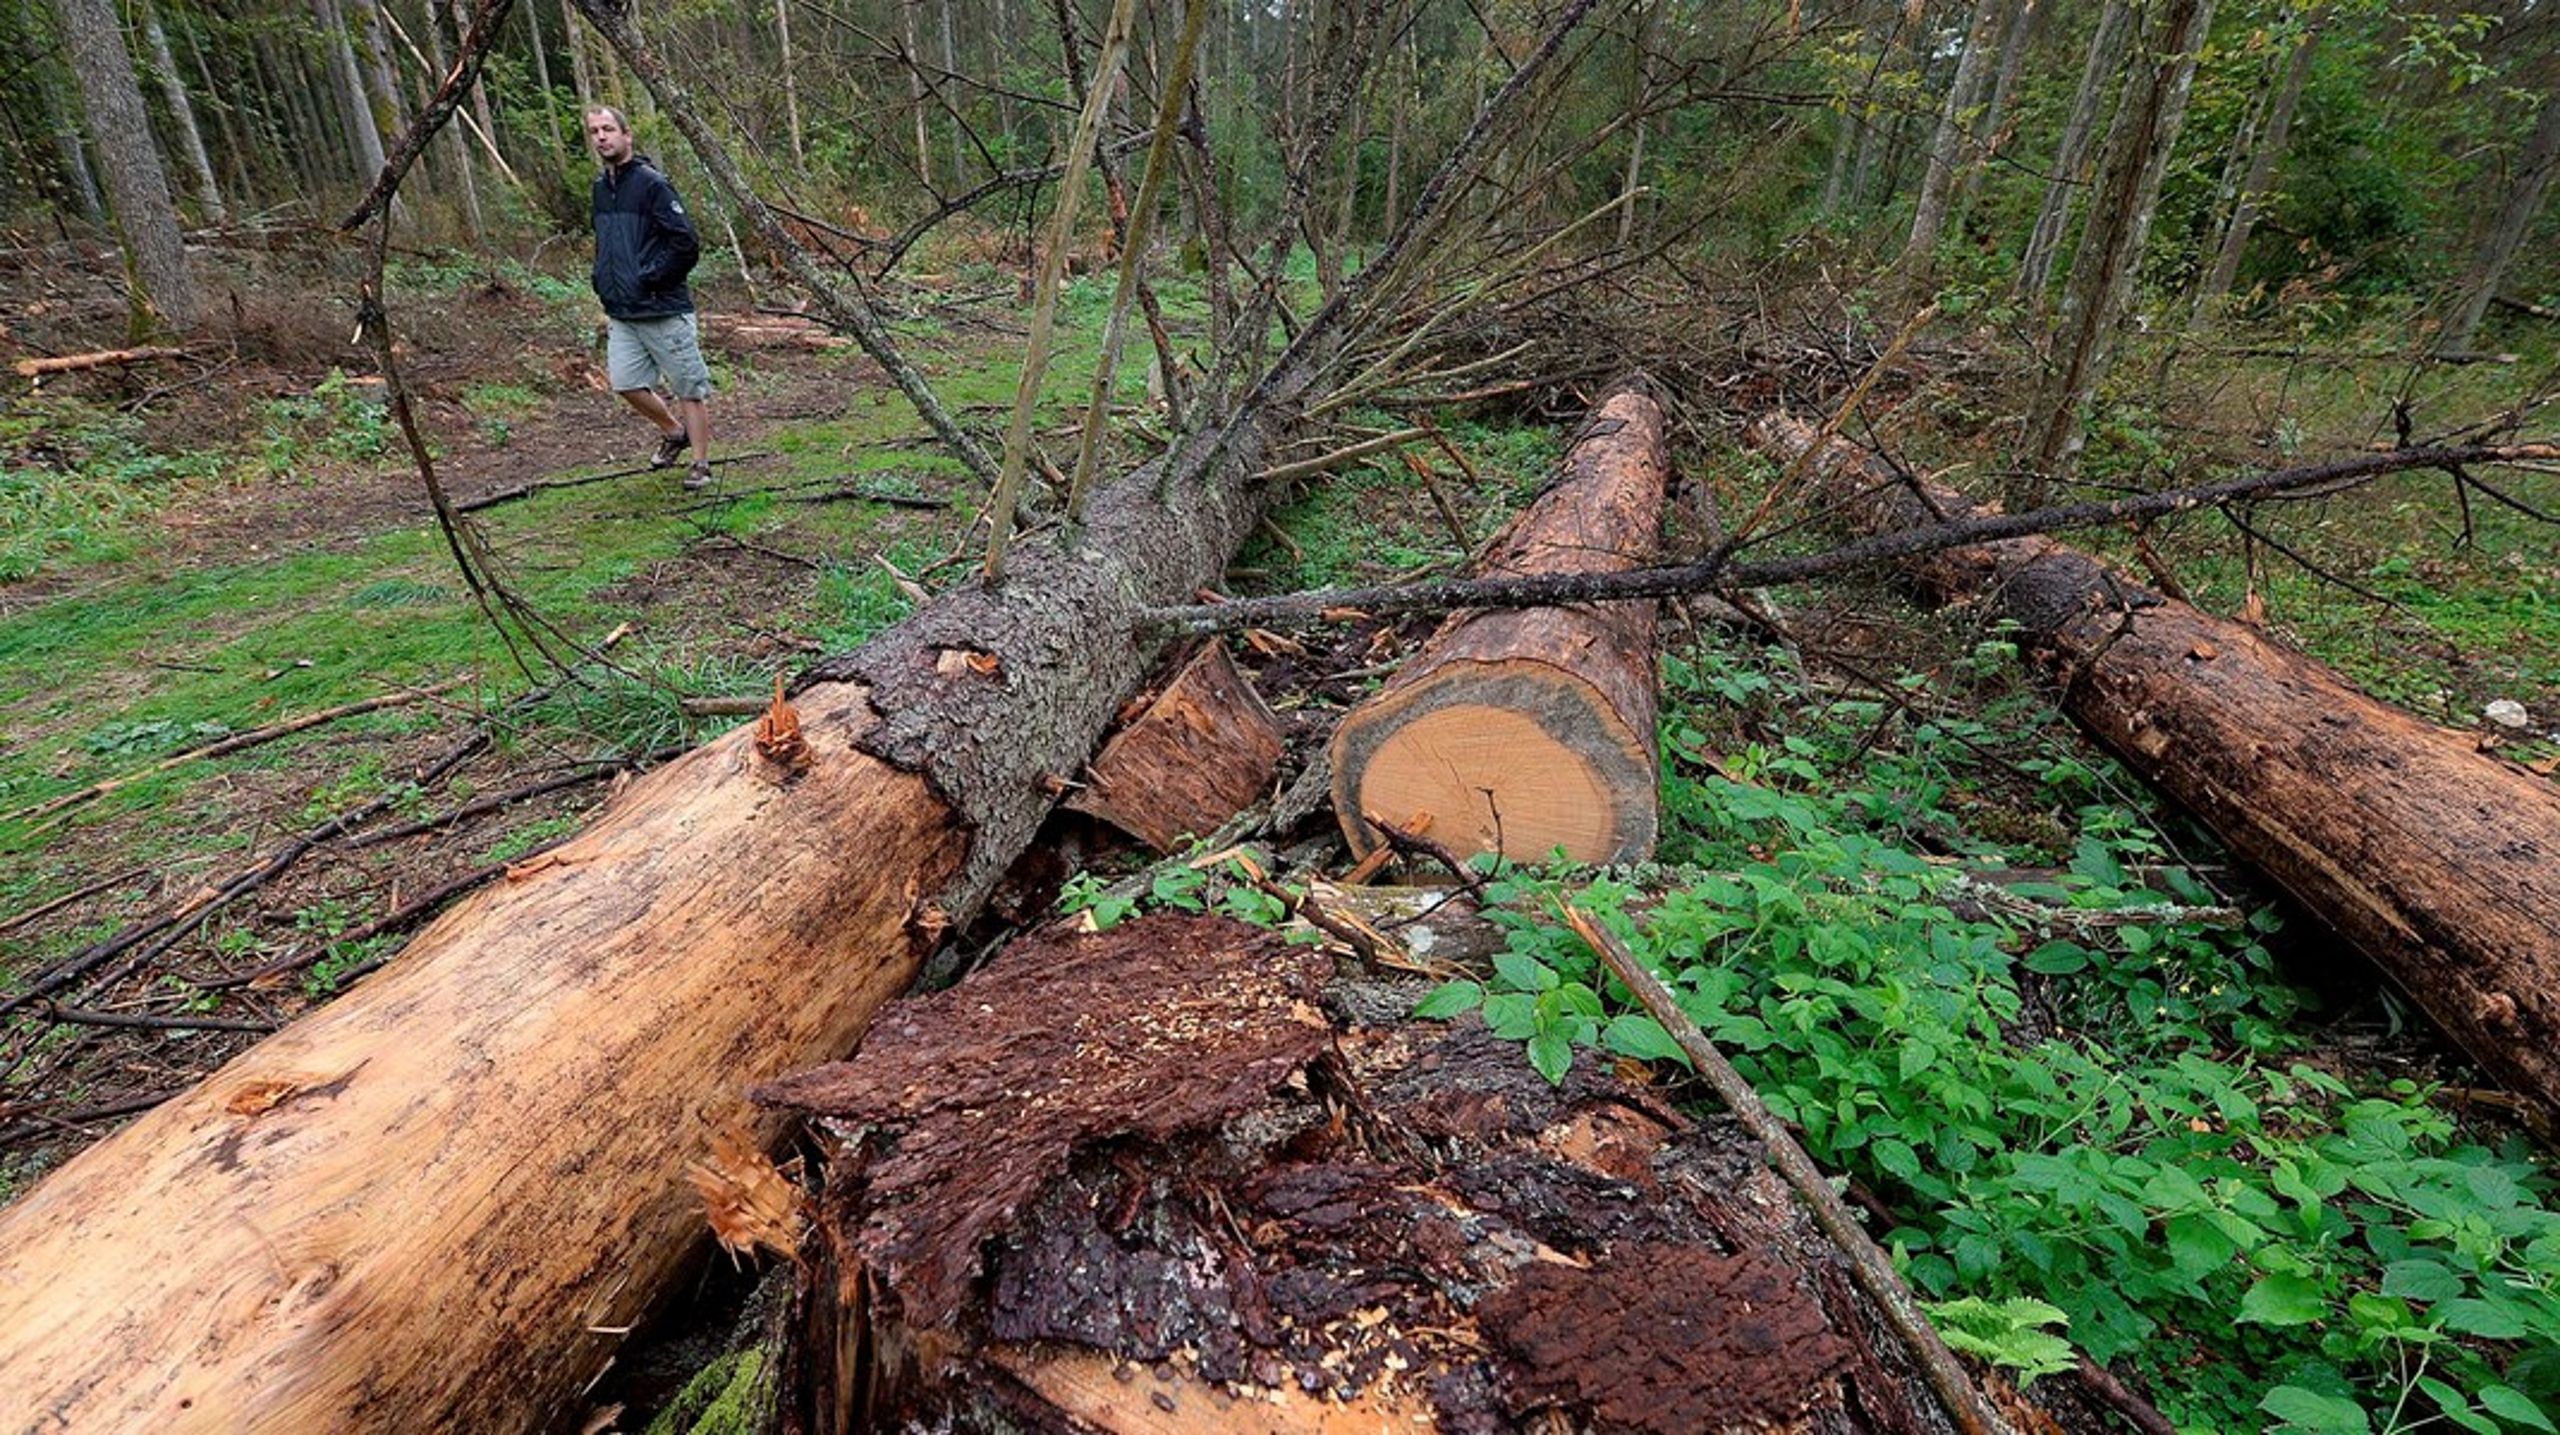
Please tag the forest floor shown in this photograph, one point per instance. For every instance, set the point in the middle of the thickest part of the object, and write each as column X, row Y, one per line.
column 194, row 549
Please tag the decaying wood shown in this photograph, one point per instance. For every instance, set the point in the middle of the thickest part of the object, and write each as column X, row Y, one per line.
column 103, row 358
column 1525, row 730
column 1203, row 750
column 1180, row 1176
column 436, row 1203
column 2439, row 861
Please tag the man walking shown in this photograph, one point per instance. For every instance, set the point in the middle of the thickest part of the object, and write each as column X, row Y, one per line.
column 645, row 246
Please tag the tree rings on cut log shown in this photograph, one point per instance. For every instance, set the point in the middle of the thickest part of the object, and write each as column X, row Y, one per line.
column 1525, row 731
column 1202, row 751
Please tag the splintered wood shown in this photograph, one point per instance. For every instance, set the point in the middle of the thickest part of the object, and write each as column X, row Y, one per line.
column 1176, row 1176
column 1527, row 730
column 1200, row 753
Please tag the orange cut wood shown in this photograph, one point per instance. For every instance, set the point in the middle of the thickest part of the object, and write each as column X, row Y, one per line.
column 1528, row 731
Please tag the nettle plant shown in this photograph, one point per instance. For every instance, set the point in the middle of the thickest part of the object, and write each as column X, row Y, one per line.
column 2094, row 1122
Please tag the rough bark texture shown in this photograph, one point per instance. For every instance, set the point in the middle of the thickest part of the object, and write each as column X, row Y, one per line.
column 1203, row 750
column 1239, row 1193
column 429, row 1204
column 137, row 187
column 2071, row 152
column 2440, row 862
column 1527, row 729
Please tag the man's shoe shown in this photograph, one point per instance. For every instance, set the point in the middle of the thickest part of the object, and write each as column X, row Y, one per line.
column 698, row 477
column 670, row 448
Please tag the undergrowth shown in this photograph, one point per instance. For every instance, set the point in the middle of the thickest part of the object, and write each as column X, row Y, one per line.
column 2086, row 1095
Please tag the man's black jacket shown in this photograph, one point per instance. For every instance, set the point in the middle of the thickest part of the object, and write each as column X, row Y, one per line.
column 645, row 245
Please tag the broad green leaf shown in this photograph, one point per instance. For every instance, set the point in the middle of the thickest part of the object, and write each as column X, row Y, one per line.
column 2311, row 1410
column 1642, row 1037
column 1524, row 973
column 1449, row 999
column 2420, row 1280
column 2513, row 1406
column 2487, row 1319
column 1552, row 1055
column 2058, row 958
column 2284, row 1300
column 1512, row 1016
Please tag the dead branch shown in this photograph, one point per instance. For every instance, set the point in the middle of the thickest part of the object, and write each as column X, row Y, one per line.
column 1870, row 1266
column 45, row 909
column 585, row 774
column 1720, row 573
column 103, row 358
column 237, row 742
column 141, row 1021
column 486, row 19
column 510, row 494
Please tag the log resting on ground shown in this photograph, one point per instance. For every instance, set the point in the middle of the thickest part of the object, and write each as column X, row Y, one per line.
column 2440, row 862
column 435, row 1203
column 1527, row 729
column 1182, row 1176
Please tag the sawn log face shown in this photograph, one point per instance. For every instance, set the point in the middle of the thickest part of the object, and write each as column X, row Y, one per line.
column 2440, row 862
column 1525, row 729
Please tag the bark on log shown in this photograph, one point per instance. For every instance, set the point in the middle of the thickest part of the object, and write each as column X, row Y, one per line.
column 1178, row 1176
column 435, row 1203
column 2438, row 861
column 1525, row 730
column 1203, row 750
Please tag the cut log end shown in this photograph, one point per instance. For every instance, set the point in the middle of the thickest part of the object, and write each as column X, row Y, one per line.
column 1517, row 758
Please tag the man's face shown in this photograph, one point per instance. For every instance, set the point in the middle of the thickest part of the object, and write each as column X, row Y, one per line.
column 611, row 142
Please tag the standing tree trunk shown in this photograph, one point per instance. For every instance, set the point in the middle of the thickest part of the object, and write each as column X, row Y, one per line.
column 579, row 73
column 2506, row 232
column 353, row 103
column 1947, row 149
column 551, row 101
column 1989, row 137
column 790, row 84
column 916, row 90
column 2261, row 177
column 182, row 111
column 2102, row 273
column 154, row 251
column 2071, row 153
column 63, row 127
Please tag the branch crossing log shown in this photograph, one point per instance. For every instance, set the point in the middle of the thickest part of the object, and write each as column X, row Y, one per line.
column 1527, row 730
column 2438, row 861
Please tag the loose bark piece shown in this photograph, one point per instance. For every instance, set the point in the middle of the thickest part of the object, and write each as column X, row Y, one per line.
column 1522, row 731
column 1251, row 1196
column 1202, row 752
column 435, row 1203
column 2440, row 862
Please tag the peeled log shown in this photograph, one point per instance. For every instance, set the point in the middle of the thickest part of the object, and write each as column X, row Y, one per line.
column 1524, row 730
column 435, row 1203
column 2440, row 862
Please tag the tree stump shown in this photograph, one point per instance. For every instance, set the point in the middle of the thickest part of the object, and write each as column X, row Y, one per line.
column 1524, row 731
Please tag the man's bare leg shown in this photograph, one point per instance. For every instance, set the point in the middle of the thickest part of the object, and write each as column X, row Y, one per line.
column 649, row 406
column 697, row 426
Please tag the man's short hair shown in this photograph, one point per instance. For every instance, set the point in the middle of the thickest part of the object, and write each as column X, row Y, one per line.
column 619, row 122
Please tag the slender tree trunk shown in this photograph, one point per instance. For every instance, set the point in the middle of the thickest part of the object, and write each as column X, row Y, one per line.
column 154, row 250
column 1875, row 131
column 579, row 73
column 353, row 103
column 466, row 168
column 2071, row 154
column 560, row 144
column 951, row 64
column 1646, row 35
column 1989, row 139
column 2102, row 274
column 481, row 109
column 1947, row 148
column 182, row 111
column 916, row 90
column 2506, row 232
column 63, row 126
column 2261, row 178
column 235, row 151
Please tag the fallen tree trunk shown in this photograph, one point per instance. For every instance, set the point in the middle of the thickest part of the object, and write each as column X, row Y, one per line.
column 1525, row 730
column 1165, row 1178
column 437, row 1202
column 2439, row 862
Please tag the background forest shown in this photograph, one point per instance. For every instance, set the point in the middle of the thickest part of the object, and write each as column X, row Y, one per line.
column 2204, row 1170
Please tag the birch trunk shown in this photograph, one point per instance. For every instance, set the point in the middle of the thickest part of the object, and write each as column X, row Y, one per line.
column 2071, row 154
column 182, row 111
